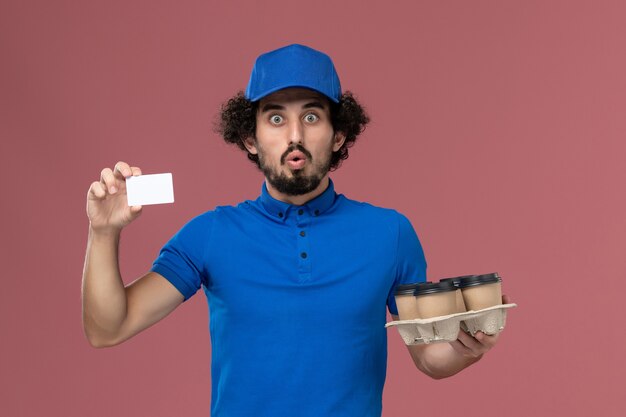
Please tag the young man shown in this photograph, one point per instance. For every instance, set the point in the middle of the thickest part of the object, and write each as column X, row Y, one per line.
column 297, row 281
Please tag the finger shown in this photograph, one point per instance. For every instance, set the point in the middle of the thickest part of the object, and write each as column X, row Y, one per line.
column 136, row 171
column 461, row 348
column 487, row 341
column 135, row 211
column 97, row 190
column 122, row 170
column 472, row 344
column 108, row 180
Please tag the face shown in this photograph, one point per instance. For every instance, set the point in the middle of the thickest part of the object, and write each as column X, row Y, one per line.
column 294, row 140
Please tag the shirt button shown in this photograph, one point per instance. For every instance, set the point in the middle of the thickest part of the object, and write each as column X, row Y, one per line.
column 280, row 215
column 302, row 233
column 303, row 255
column 301, row 212
column 317, row 212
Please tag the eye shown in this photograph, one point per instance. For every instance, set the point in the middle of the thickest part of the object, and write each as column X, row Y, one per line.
column 276, row 119
column 311, row 118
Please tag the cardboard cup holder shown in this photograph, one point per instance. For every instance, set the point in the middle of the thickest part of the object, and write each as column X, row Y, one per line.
column 489, row 320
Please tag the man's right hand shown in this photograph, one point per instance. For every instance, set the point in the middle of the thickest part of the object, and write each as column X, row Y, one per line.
column 107, row 204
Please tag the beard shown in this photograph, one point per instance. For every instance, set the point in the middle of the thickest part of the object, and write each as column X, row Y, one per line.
column 298, row 183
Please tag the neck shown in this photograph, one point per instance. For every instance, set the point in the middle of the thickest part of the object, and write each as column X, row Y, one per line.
column 298, row 200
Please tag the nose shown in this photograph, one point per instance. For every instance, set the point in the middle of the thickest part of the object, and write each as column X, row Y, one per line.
column 296, row 131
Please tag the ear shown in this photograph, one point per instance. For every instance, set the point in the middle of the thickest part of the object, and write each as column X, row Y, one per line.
column 250, row 145
column 338, row 140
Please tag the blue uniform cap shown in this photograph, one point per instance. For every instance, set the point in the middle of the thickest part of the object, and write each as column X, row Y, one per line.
column 293, row 66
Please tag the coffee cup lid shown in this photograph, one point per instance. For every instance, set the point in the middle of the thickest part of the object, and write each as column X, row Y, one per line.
column 490, row 276
column 407, row 289
column 455, row 280
column 434, row 287
column 480, row 280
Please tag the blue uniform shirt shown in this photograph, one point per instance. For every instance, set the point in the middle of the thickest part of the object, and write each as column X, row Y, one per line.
column 297, row 301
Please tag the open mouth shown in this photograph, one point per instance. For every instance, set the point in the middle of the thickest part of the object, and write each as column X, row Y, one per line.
column 296, row 160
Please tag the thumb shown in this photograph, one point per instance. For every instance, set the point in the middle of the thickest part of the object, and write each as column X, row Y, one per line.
column 135, row 210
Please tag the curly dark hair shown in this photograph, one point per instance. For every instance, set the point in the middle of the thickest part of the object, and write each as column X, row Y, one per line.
column 237, row 122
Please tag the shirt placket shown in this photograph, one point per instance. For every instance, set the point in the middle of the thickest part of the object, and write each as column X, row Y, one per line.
column 303, row 222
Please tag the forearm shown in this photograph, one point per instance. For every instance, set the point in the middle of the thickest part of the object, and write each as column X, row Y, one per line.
column 103, row 292
column 440, row 360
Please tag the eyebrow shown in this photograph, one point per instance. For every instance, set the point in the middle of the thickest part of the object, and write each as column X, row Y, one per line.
column 310, row 105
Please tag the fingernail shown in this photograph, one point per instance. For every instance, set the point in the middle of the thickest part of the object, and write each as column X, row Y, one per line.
column 113, row 190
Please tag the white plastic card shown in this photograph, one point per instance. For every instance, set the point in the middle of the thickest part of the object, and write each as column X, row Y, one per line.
column 144, row 190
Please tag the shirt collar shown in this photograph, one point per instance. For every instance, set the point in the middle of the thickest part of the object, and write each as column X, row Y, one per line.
column 281, row 210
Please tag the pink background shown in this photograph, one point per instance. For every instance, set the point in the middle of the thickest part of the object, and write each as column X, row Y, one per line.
column 498, row 129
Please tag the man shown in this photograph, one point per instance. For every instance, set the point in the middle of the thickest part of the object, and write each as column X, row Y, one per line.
column 297, row 281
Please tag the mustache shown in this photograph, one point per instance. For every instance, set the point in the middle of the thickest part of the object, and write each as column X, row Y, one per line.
column 296, row 147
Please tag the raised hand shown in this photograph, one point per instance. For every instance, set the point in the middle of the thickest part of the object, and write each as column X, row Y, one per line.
column 107, row 205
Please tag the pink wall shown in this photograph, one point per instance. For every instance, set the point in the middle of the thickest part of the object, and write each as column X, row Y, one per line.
column 498, row 129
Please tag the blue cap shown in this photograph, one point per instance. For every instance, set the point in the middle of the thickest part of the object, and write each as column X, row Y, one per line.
column 293, row 66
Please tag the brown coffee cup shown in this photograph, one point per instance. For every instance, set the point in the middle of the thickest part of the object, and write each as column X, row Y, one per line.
column 481, row 291
column 405, row 301
column 460, row 304
column 435, row 299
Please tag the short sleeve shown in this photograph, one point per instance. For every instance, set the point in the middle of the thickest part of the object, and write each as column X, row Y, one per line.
column 182, row 261
column 410, row 260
